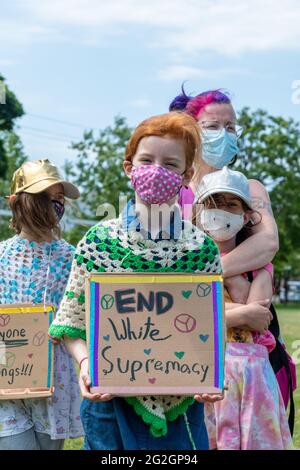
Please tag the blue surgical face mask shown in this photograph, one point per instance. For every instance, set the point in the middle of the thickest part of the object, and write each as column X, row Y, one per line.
column 218, row 148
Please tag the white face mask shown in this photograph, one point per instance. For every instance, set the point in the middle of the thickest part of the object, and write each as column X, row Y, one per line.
column 221, row 225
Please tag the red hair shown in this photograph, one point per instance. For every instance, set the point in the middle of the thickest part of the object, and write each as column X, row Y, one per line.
column 174, row 124
column 195, row 105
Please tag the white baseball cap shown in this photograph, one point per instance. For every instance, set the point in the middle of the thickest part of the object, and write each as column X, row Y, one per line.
column 224, row 181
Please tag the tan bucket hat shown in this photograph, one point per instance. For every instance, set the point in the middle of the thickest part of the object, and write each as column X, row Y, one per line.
column 37, row 176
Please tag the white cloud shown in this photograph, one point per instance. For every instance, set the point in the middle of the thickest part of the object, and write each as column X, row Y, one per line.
column 183, row 72
column 18, row 32
column 103, row 13
column 187, row 27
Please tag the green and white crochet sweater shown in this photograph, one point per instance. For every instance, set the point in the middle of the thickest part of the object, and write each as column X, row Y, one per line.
column 108, row 247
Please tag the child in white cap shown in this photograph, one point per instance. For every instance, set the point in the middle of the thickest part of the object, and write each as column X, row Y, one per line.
column 252, row 414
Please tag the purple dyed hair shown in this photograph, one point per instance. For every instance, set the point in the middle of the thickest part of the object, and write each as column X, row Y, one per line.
column 194, row 105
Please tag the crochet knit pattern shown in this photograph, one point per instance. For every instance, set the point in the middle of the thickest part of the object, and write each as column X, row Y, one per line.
column 23, row 268
column 108, row 247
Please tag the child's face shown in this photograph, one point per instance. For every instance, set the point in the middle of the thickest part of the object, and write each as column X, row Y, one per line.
column 226, row 202
column 223, row 216
column 167, row 152
column 57, row 193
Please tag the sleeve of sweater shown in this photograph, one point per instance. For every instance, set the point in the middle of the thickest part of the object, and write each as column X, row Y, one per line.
column 212, row 256
column 70, row 317
column 218, row 261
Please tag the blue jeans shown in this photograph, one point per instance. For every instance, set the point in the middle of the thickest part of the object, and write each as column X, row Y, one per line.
column 113, row 425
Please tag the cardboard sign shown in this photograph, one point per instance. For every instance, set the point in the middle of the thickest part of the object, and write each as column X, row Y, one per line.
column 26, row 354
column 155, row 334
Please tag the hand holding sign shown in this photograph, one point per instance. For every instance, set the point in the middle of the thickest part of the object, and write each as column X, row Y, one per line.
column 54, row 340
column 85, row 383
column 211, row 398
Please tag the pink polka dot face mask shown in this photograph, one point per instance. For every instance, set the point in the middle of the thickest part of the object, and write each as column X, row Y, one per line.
column 155, row 184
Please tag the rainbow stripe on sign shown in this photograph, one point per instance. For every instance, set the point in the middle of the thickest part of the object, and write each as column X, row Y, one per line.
column 50, row 352
column 94, row 328
column 95, row 285
column 37, row 309
column 218, row 336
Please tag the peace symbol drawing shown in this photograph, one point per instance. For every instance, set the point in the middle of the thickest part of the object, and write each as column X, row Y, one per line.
column 39, row 338
column 107, row 301
column 7, row 359
column 185, row 323
column 4, row 320
column 203, row 289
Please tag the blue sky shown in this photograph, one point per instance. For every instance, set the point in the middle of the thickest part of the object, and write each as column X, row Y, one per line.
column 85, row 61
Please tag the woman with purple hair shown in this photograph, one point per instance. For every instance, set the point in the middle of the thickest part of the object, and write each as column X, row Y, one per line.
column 217, row 121
column 219, row 131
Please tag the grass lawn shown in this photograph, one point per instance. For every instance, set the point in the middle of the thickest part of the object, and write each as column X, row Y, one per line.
column 289, row 319
column 73, row 444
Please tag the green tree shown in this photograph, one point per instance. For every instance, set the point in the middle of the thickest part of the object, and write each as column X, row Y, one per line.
column 98, row 172
column 10, row 110
column 15, row 158
column 270, row 152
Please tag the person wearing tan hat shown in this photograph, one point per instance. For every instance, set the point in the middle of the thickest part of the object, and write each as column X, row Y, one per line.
column 34, row 268
column 37, row 176
column 36, row 189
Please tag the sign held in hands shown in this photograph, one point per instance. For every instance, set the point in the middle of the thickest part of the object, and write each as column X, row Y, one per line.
column 26, row 354
column 157, row 334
